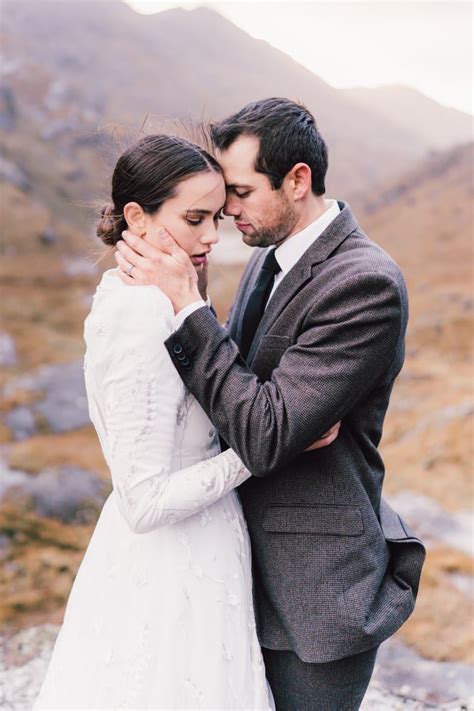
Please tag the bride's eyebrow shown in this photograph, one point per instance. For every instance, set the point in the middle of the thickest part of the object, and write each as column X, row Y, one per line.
column 201, row 211
column 198, row 211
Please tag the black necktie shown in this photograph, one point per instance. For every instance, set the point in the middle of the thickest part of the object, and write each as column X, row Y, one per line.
column 258, row 299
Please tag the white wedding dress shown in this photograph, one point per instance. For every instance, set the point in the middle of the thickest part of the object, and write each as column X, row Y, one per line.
column 160, row 615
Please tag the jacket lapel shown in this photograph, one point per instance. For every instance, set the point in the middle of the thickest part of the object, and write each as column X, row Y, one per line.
column 336, row 232
column 243, row 294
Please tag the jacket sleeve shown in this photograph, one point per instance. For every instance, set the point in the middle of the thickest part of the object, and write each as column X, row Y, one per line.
column 140, row 394
column 346, row 344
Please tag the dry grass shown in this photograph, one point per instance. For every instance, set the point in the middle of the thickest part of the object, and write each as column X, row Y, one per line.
column 78, row 448
column 428, row 440
column 5, row 434
column 39, row 568
column 43, row 308
column 441, row 627
column 18, row 398
column 428, row 437
column 45, row 319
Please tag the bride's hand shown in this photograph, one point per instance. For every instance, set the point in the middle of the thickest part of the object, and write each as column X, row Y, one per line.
column 326, row 439
column 159, row 261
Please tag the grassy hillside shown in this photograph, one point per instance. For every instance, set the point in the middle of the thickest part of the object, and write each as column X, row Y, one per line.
column 426, row 221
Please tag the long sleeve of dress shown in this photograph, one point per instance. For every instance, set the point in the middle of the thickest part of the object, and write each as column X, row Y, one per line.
column 134, row 392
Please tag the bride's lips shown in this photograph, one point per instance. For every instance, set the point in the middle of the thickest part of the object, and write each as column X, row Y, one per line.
column 198, row 259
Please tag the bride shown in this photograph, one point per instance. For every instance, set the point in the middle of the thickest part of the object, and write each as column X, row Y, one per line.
column 160, row 614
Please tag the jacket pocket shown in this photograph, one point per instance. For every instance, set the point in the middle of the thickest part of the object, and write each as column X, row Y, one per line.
column 407, row 552
column 377, row 605
column 318, row 520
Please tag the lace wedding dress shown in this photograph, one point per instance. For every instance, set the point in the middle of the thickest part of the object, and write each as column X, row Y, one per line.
column 160, row 614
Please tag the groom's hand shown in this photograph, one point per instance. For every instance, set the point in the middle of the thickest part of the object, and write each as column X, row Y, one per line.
column 158, row 261
column 326, row 439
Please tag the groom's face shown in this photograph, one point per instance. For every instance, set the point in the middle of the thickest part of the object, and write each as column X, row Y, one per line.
column 263, row 215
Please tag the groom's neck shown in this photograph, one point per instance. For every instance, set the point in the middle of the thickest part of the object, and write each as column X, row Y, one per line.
column 313, row 208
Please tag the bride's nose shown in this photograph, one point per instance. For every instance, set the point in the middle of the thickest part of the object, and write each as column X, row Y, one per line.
column 210, row 236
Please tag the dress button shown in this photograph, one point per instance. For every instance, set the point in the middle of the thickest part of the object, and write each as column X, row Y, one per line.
column 178, row 348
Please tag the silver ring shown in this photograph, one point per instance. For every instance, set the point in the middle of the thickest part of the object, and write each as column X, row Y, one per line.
column 129, row 270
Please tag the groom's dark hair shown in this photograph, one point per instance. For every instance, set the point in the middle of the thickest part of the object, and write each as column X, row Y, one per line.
column 287, row 133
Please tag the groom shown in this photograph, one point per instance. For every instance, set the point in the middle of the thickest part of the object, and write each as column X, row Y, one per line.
column 316, row 335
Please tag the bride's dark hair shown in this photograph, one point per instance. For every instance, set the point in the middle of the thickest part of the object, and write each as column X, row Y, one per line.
column 148, row 173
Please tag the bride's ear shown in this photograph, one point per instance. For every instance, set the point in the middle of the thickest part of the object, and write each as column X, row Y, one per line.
column 135, row 218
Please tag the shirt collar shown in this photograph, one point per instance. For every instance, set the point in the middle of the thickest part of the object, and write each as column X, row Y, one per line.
column 288, row 253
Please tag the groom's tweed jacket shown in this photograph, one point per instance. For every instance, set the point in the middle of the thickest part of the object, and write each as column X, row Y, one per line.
column 336, row 571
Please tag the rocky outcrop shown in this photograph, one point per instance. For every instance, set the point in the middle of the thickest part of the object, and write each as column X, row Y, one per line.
column 64, row 404
column 68, row 494
column 8, row 354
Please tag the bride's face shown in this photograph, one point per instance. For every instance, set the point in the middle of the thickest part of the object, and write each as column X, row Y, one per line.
column 192, row 215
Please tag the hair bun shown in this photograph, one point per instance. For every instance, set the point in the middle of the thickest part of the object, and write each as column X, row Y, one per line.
column 107, row 226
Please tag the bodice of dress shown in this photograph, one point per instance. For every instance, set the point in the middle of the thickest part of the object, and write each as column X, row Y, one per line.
column 160, row 446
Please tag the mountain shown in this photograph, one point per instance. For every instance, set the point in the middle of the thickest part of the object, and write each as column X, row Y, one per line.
column 79, row 77
column 433, row 123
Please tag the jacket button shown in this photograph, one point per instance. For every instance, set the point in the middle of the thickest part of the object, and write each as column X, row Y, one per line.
column 185, row 361
column 178, row 348
column 181, row 356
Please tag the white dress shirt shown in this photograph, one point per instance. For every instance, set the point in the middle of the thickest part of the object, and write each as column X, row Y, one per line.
column 292, row 249
column 287, row 254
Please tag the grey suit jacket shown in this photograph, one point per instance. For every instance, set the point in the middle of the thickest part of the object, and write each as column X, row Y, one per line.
column 336, row 571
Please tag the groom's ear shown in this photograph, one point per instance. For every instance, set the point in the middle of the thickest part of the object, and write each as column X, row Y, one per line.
column 135, row 217
column 298, row 181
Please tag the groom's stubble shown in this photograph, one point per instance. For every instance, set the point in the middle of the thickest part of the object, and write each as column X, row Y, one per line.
column 275, row 225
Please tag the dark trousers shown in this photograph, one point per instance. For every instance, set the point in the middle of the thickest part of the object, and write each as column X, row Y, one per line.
column 331, row 686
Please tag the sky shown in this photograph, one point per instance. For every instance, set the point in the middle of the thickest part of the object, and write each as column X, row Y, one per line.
column 426, row 45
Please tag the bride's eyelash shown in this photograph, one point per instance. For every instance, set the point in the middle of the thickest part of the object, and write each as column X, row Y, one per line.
column 198, row 220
